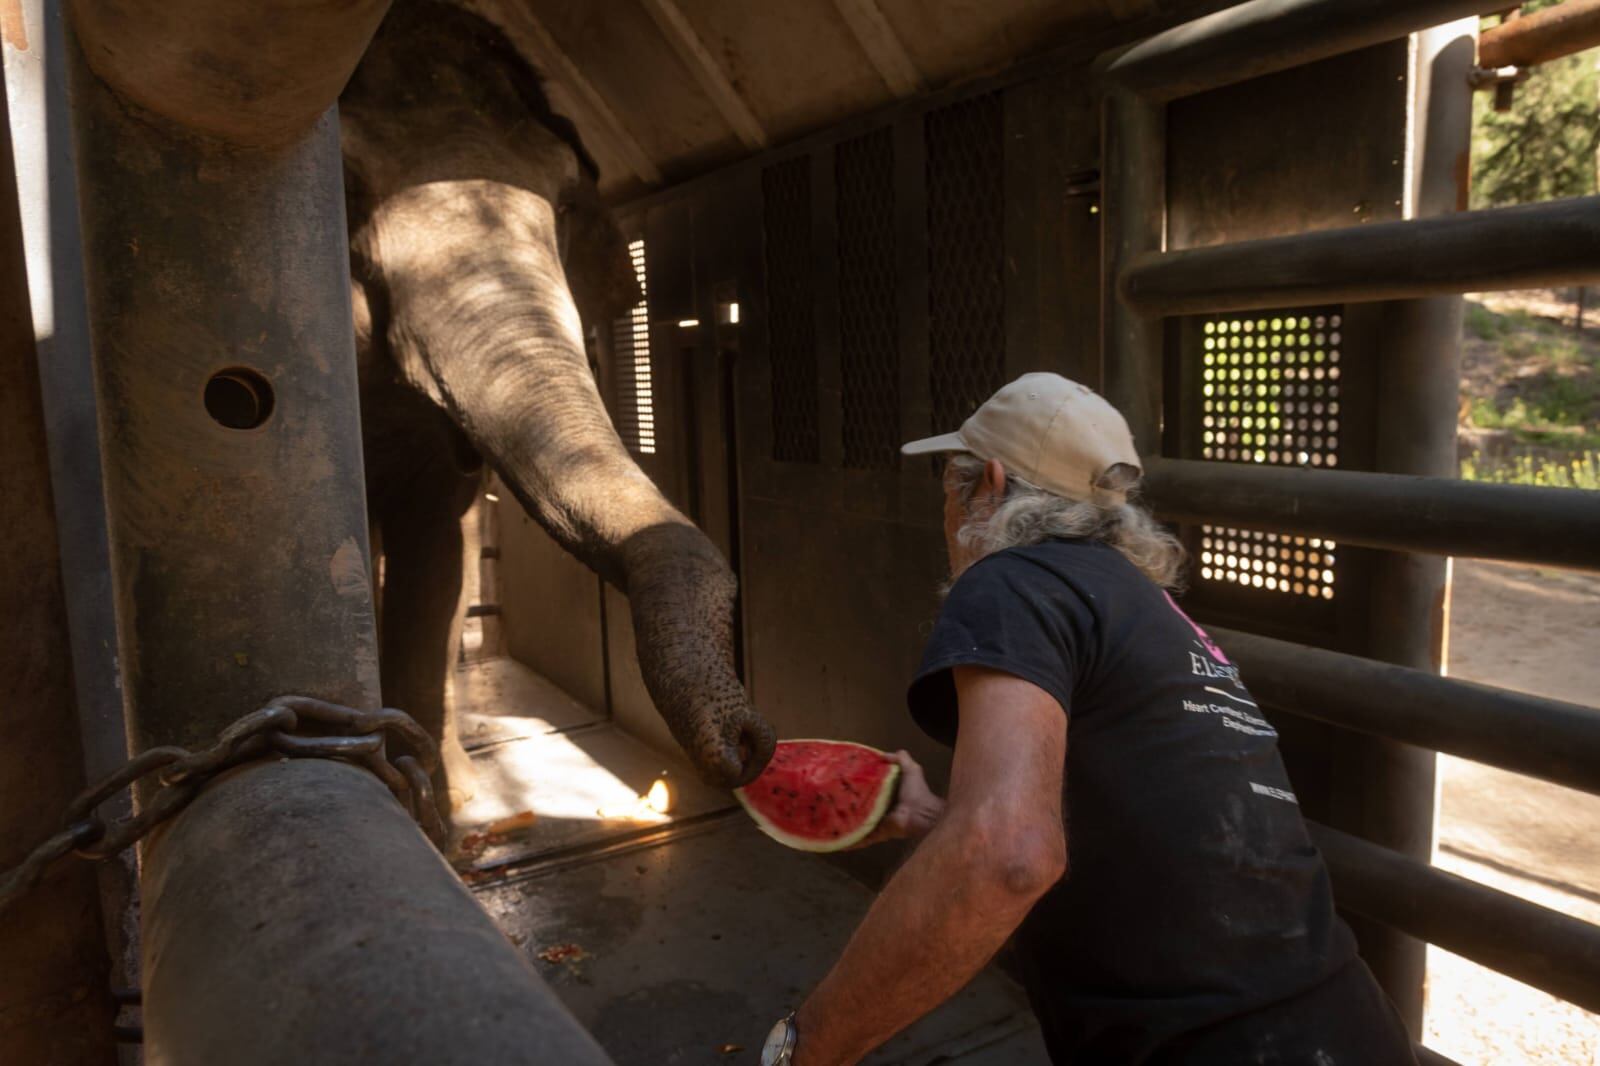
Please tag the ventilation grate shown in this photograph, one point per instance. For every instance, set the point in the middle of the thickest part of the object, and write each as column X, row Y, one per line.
column 630, row 344
column 869, row 349
column 966, row 257
column 791, row 326
column 1277, row 562
column 1271, row 389
column 1270, row 395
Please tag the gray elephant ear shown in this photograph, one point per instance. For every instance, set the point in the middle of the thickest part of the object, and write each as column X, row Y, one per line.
column 1119, row 477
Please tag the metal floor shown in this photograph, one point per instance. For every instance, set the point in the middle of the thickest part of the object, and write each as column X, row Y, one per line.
column 675, row 939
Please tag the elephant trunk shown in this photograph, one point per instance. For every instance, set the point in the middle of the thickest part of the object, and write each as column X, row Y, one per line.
column 480, row 316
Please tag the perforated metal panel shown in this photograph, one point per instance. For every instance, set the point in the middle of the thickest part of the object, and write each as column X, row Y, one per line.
column 966, row 256
column 791, row 310
column 635, row 377
column 1270, row 384
column 869, row 349
column 1277, row 562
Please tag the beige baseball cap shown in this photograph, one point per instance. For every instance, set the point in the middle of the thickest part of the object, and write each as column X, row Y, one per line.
column 1054, row 433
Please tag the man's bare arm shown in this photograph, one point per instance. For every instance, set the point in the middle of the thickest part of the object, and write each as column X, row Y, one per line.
column 999, row 846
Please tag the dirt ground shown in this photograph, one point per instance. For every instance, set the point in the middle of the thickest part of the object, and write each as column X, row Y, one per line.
column 1531, row 629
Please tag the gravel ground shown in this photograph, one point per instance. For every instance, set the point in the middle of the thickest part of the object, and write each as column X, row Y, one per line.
column 1534, row 630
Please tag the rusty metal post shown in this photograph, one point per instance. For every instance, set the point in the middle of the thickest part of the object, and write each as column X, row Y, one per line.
column 293, row 914
column 55, row 1006
column 1385, row 790
column 1569, row 27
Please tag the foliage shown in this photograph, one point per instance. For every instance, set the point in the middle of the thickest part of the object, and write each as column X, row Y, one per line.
column 1581, row 471
column 1545, row 147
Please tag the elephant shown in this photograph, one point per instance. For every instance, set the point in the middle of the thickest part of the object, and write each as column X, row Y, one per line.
column 479, row 249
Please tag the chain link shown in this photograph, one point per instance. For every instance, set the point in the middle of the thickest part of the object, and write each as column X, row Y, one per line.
column 296, row 727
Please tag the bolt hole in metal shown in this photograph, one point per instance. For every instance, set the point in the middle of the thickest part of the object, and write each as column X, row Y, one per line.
column 239, row 398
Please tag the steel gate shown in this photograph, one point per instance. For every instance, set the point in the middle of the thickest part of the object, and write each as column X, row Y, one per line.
column 1266, row 495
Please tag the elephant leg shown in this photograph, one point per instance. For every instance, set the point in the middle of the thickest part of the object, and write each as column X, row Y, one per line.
column 422, row 608
column 481, row 320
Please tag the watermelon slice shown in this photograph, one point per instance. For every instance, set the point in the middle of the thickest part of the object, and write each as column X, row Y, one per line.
column 821, row 795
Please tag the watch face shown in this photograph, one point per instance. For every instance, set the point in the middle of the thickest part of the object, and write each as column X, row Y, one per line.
column 777, row 1043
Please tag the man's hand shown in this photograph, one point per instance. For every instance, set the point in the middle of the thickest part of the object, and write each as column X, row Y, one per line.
column 916, row 809
column 997, row 846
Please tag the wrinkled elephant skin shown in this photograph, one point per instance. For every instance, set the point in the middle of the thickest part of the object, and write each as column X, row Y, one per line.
column 478, row 246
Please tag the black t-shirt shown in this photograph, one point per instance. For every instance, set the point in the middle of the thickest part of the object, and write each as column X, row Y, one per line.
column 1193, row 895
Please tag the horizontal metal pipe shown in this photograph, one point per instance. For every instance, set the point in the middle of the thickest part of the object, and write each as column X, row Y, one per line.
column 1533, row 944
column 1399, row 512
column 1548, row 739
column 294, row 913
column 1528, row 246
column 1266, row 36
column 253, row 72
column 1570, row 26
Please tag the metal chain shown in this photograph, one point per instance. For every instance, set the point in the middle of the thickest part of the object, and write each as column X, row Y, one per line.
column 297, row 727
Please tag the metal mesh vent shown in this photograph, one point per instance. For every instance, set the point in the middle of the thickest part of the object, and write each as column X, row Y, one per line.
column 791, row 328
column 1271, row 388
column 869, row 347
column 1270, row 385
column 966, row 257
column 1277, row 562
column 630, row 353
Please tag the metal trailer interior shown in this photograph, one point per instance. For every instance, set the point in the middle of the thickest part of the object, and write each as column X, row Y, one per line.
column 1246, row 225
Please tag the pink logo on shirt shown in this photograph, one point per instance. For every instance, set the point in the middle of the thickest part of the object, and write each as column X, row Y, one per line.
column 1204, row 637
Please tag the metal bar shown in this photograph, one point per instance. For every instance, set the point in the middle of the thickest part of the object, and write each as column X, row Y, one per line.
column 54, row 1001
column 1134, row 192
column 1533, row 944
column 1528, row 246
column 1384, row 791
column 47, row 195
column 1548, row 739
column 219, row 302
column 254, row 72
column 1428, row 1057
column 1518, row 523
column 1265, row 36
column 348, row 940
column 1570, row 26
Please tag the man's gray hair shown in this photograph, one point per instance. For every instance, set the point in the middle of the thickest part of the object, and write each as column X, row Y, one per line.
column 1031, row 515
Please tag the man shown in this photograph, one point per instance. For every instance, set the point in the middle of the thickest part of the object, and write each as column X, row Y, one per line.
column 1116, row 801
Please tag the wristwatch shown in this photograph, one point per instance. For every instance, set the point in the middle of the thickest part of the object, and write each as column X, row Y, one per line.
column 779, row 1048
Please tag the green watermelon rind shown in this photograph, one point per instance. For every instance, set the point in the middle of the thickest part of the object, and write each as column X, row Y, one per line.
column 880, row 808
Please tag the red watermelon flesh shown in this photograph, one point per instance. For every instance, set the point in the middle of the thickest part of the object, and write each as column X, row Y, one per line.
column 821, row 795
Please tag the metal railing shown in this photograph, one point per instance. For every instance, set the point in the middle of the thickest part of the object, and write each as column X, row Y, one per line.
column 1543, row 244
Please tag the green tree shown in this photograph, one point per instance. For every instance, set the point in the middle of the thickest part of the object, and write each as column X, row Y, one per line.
column 1545, row 147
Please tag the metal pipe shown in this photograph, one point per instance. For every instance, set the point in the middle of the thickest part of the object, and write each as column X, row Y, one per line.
column 1518, row 523
column 1533, row 944
column 252, row 72
column 1134, row 194
column 293, row 913
column 1265, row 36
column 1429, row 1057
column 1384, row 791
column 1553, row 33
column 55, row 1004
column 1548, row 739
column 346, row 939
column 1528, row 246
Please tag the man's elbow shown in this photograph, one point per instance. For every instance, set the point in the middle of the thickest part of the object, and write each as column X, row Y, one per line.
column 1033, row 869
column 1019, row 863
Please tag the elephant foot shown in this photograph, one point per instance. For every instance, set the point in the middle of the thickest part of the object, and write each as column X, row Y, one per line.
column 458, row 778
